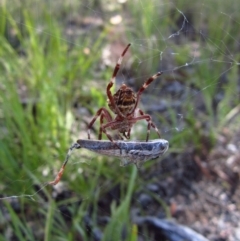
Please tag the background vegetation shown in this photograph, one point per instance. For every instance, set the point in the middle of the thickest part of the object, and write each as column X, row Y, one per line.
column 53, row 79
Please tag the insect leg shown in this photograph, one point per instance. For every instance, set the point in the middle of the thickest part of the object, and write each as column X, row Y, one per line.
column 60, row 173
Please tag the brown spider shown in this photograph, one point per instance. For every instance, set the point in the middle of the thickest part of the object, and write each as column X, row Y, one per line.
column 124, row 104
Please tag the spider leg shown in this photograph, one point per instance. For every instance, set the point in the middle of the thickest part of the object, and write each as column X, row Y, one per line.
column 103, row 113
column 108, row 136
column 111, row 124
column 120, row 137
column 127, row 136
column 144, row 86
column 100, row 130
column 148, row 118
column 129, row 133
column 112, row 81
column 150, row 124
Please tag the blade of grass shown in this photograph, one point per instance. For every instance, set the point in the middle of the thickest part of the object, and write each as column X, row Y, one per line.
column 120, row 217
column 49, row 221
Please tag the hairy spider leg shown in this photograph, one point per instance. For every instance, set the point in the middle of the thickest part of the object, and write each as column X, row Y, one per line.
column 103, row 113
column 101, row 123
column 144, row 86
column 112, row 81
column 133, row 121
column 148, row 118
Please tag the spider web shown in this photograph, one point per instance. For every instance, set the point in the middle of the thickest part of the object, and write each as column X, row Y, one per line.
column 195, row 45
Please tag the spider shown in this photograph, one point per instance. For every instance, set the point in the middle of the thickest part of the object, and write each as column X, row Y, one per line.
column 124, row 105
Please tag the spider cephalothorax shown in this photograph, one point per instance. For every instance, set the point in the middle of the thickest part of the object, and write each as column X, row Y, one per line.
column 124, row 105
column 125, row 100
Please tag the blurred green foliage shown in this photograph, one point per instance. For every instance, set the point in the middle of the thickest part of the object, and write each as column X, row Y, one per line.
column 45, row 72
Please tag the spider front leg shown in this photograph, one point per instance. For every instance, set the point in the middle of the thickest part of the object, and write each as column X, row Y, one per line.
column 112, row 81
column 101, row 123
column 103, row 113
column 103, row 130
